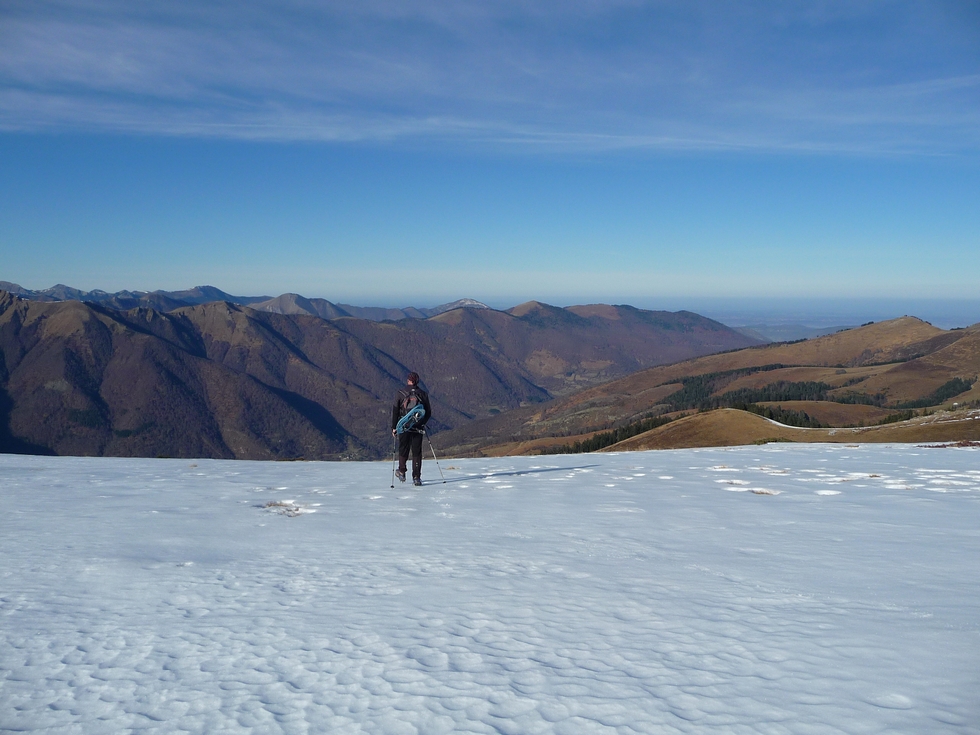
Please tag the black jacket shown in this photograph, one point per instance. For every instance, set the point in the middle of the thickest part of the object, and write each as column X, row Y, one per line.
column 398, row 410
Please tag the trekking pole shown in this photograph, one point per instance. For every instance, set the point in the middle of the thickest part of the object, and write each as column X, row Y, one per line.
column 433, row 450
column 394, row 446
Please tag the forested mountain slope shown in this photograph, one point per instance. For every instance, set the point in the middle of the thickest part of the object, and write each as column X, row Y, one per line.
column 224, row 380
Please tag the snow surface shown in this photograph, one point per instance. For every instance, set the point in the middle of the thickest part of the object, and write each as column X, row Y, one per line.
column 774, row 589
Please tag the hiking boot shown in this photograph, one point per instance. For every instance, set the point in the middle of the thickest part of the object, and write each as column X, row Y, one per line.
column 400, row 475
column 417, row 482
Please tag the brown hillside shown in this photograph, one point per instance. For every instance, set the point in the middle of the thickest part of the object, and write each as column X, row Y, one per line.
column 725, row 427
column 83, row 380
column 728, row 427
column 887, row 363
column 889, row 341
column 909, row 380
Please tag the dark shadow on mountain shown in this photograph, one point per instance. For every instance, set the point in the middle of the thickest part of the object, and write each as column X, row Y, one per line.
column 10, row 444
column 322, row 420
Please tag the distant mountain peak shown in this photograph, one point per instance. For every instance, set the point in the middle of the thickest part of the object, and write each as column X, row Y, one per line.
column 14, row 288
column 527, row 307
column 458, row 304
column 287, row 303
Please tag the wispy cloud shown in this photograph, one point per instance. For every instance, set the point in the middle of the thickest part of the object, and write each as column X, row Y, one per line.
column 578, row 75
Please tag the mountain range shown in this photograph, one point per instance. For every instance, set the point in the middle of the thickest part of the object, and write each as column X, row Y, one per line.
column 288, row 303
column 291, row 303
column 272, row 381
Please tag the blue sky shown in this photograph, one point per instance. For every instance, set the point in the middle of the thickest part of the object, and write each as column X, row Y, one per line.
column 666, row 154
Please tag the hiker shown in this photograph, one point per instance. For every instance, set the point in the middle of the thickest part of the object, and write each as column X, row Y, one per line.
column 410, row 439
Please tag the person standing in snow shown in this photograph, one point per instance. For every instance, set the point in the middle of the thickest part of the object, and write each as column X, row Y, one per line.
column 410, row 440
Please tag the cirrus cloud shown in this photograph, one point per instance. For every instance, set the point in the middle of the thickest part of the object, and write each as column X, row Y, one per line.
column 885, row 77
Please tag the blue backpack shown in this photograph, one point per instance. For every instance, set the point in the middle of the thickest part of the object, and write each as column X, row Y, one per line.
column 414, row 412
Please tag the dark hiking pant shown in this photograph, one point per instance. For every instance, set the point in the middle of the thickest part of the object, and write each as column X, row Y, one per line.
column 410, row 440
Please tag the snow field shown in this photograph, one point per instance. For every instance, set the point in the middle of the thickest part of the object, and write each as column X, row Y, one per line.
column 775, row 589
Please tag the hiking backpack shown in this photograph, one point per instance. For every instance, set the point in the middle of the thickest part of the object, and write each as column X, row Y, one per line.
column 413, row 412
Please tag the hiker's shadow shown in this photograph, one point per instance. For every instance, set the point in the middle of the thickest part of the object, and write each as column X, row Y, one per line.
column 513, row 473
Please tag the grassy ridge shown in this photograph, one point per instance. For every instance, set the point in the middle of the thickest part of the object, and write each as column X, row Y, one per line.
column 608, row 438
column 696, row 394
